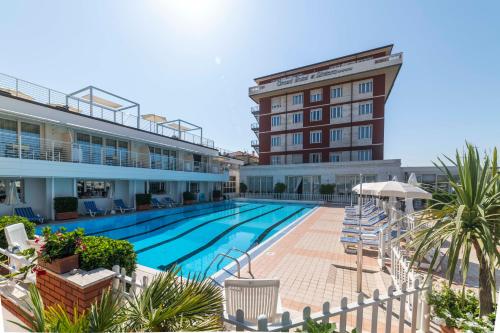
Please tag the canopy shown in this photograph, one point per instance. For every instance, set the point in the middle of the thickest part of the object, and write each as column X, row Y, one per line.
column 393, row 189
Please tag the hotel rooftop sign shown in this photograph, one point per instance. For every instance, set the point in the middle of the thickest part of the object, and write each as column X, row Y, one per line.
column 331, row 73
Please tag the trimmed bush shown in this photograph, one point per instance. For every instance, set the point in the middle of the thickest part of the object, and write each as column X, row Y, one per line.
column 143, row 199
column 8, row 220
column 105, row 252
column 279, row 188
column 326, row 188
column 188, row 196
column 216, row 194
column 243, row 188
column 65, row 204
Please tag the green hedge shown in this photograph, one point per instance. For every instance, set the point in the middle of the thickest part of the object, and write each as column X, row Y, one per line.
column 326, row 188
column 216, row 194
column 143, row 199
column 8, row 220
column 243, row 188
column 279, row 188
column 65, row 204
column 188, row 196
column 106, row 252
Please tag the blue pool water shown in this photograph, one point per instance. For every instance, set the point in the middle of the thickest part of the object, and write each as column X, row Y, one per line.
column 192, row 236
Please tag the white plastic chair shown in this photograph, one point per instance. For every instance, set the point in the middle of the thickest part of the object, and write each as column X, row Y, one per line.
column 17, row 240
column 255, row 297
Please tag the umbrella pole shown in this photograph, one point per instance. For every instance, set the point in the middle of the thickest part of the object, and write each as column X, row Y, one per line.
column 360, row 242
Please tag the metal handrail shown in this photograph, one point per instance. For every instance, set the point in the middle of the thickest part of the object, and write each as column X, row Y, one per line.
column 226, row 256
column 249, row 259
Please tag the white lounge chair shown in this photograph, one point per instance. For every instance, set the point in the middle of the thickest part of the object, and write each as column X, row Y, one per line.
column 255, row 297
column 18, row 241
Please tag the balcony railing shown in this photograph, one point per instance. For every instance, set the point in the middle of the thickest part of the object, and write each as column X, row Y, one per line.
column 331, row 73
column 255, row 143
column 31, row 148
column 255, row 110
column 255, row 126
column 12, row 86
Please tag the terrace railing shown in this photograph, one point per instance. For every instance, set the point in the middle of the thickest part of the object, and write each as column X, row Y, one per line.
column 61, row 151
column 341, row 199
column 12, row 86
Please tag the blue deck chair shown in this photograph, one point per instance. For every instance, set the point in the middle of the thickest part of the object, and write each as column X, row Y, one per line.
column 364, row 213
column 170, row 202
column 157, row 204
column 371, row 222
column 120, row 205
column 28, row 213
column 350, row 243
column 92, row 209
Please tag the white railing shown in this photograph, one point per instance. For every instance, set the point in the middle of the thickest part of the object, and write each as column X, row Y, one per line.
column 32, row 148
column 343, row 199
column 12, row 86
column 127, row 285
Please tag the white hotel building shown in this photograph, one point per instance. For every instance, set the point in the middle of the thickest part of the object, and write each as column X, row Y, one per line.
column 95, row 145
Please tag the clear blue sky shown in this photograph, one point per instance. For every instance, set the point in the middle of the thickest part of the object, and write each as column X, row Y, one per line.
column 196, row 59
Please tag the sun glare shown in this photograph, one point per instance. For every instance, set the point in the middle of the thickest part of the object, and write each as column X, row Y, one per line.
column 192, row 13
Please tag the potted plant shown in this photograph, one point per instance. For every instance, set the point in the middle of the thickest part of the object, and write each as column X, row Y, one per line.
column 58, row 252
column 66, row 208
column 326, row 189
column 216, row 195
column 188, row 198
column 243, row 188
column 143, row 201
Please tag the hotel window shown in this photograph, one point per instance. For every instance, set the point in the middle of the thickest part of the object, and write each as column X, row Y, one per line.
column 8, row 138
column 365, row 132
column 302, row 184
column 158, row 187
column 260, row 184
column 276, row 103
column 336, row 92
column 297, row 118
column 296, row 158
column 297, row 138
column 275, row 121
column 194, row 187
column 336, row 112
column 297, row 99
column 30, row 140
column 316, row 114
column 315, row 158
column 92, row 188
column 315, row 137
column 6, row 186
column 365, row 108
column 277, row 159
column 336, row 135
column 230, row 186
column 316, row 96
column 365, row 87
column 275, row 140
column 364, row 155
column 335, row 157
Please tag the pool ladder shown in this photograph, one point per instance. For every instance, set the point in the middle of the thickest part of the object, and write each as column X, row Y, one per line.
column 238, row 264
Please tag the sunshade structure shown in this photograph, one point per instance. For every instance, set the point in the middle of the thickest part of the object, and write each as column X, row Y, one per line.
column 393, row 189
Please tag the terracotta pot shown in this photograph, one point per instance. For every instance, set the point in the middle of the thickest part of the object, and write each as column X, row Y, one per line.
column 446, row 329
column 143, row 207
column 61, row 266
column 189, row 202
column 66, row 215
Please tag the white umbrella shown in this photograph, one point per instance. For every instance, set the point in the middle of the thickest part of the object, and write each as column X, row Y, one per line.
column 368, row 188
column 412, row 180
column 400, row 190
column 12, row 197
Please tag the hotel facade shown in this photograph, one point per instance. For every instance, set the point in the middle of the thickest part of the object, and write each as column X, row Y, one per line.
column 96, row 145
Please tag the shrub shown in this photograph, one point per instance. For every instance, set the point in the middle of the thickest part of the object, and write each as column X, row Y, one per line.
column 243, row 188
column 8, row 220
column 65, row 204
column 440, row 198
column 216, row 194
column 326, row 188
column 143, row 199
column 105, row 252
column 60, row 244
column 188, row 196
column 279, row 188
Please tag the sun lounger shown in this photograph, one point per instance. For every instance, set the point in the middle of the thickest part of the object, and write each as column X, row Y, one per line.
column 28, row 213
column 351, row 243
column 120, row 205
column 92, row 209
column 170, row 202
column 372, row 222
column 157, row 204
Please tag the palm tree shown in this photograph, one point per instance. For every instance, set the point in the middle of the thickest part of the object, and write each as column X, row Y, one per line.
column 169, row 303
column 470, row 220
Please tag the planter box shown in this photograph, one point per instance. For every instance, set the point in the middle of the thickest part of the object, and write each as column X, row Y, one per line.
column 218, row 199
column 189, row 202
column 61, row 266
column 66, row 216
column 143, row 207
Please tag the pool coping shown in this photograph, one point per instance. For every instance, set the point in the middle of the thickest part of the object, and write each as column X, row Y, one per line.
column 229, row 270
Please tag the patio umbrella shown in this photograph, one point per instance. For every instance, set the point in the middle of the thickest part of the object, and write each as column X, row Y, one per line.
column 412, row 180
column 368, row 188
column 399, row 190
column 12, row 197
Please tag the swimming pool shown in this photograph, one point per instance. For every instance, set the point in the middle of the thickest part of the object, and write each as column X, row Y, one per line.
column 191, row 236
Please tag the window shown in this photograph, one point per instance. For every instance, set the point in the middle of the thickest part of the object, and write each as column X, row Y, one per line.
column 260, row 184
column 365, row 108
column 194, row 187
column 316, row 96
column 364, row 155
column 297, row 138
column 335, row 157
column 275, row 121
column 297, row 99
column 276, row 103
column 30, row 140
column 315, row 137
column 275, row 140
column 158, row 187
column 6, row 188
column 336, row 112
column 8, row 138
column 93, row 188
column 297, row 118
column 277, row 159
column 302, row 184
column 315, row 158
column 316, row 114
column 230, row 186
column 365, row 87
column 336, row 92
column 336, row 135
column 365, row 132
column 295, row 158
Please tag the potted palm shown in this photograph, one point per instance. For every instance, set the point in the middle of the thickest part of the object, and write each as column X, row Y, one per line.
column 66, row 208
column 188, row 198
column 217, row 195
column 58, row 251
column 143, row 201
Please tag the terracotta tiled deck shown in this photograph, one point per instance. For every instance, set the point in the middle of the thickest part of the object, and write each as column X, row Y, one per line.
column 313, row 268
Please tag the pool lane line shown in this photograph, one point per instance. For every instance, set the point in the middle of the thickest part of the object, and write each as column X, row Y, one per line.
column 166, row 215
column 184, row 233
column 214, row 240
column 264, row 234
column 186, row 218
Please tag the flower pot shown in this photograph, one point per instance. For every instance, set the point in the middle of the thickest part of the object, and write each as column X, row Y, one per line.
column 446, row 329
column 61, row 266
column 189, row 202
column 143, row 207
column 66, row 215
